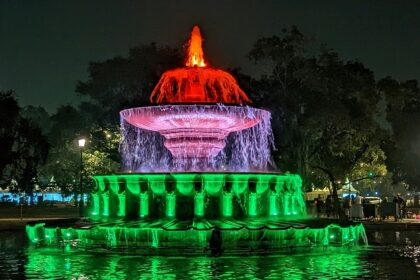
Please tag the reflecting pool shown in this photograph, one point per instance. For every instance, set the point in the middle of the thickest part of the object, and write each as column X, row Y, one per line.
column 397, row 261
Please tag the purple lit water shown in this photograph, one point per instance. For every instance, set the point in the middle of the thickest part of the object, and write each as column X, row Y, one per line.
column 143, row 150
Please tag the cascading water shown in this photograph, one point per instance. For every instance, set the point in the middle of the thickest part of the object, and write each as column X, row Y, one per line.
column 198, row 172
column 196, row 138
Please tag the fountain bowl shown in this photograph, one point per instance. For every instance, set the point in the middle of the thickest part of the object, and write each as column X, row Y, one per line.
column 194, row 131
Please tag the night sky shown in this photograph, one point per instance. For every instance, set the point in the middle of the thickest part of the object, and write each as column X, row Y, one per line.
column 45, row 46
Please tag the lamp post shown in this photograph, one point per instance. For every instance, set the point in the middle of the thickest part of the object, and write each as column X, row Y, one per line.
column 108, row 143
column 82, row 143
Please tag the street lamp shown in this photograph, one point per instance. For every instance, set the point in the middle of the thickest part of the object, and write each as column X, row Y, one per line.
column 82, row 143
column 108, row 144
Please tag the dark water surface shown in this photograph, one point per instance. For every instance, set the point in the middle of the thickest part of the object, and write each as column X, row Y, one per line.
column 393, row 256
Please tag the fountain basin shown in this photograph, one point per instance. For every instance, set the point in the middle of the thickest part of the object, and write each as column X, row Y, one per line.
column 174, row 237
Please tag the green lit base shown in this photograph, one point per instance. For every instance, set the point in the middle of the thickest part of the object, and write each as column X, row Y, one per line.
column 185, row 195
column 178, row 213
column 175, row 237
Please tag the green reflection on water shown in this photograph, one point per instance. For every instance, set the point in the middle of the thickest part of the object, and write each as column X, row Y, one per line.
column 47, row 263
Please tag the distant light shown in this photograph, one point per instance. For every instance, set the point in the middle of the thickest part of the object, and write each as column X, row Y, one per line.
column 332, row 236
column 47, row 236
column 82, row 142
column 68, row 234
column 376, row 193
column 108, row 135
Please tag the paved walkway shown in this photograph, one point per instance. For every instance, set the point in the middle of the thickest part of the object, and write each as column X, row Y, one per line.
column 18, row 223
column 391, row 224
column 404, row 221
column 30, row 219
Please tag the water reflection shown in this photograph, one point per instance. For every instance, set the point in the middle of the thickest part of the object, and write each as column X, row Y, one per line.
column 332, row 263
column 375, row 262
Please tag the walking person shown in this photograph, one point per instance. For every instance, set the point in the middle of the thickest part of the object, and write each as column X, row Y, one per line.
column 319, row 204
column 398, row 200
column 329, row 205
column 382, row 208
column 358, row 206
column 347, row 206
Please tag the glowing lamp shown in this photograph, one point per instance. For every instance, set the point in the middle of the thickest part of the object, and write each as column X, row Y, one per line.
column 82, row 142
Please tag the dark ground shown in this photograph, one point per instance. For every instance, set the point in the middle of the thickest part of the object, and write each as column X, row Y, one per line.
column 11, row 217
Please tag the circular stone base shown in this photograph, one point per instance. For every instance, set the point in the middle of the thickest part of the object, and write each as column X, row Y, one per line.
column 196, row 236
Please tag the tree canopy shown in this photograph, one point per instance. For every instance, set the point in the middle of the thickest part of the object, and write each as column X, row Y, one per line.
column 23, row 146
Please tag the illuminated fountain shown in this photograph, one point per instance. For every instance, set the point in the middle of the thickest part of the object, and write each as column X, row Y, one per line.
column 195, row 130
column 198, row 173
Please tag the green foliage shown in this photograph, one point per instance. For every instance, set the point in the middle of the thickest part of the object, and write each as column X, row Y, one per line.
column 371, row 170
column 99, row 157
column 62, row 168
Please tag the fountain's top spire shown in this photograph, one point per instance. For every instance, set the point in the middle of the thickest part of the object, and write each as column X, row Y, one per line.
column 197, row 83
column 195, row 51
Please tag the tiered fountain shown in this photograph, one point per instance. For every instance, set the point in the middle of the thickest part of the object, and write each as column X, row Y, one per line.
column 197, row 173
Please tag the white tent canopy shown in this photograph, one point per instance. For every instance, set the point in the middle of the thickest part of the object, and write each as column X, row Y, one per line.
column 316, row 193
column 347, row 189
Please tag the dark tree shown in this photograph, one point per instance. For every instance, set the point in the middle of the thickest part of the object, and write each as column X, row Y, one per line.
column 9, row 121
column 24, row 147
column 403, row 113
column 323, row 108
column 123, row 82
